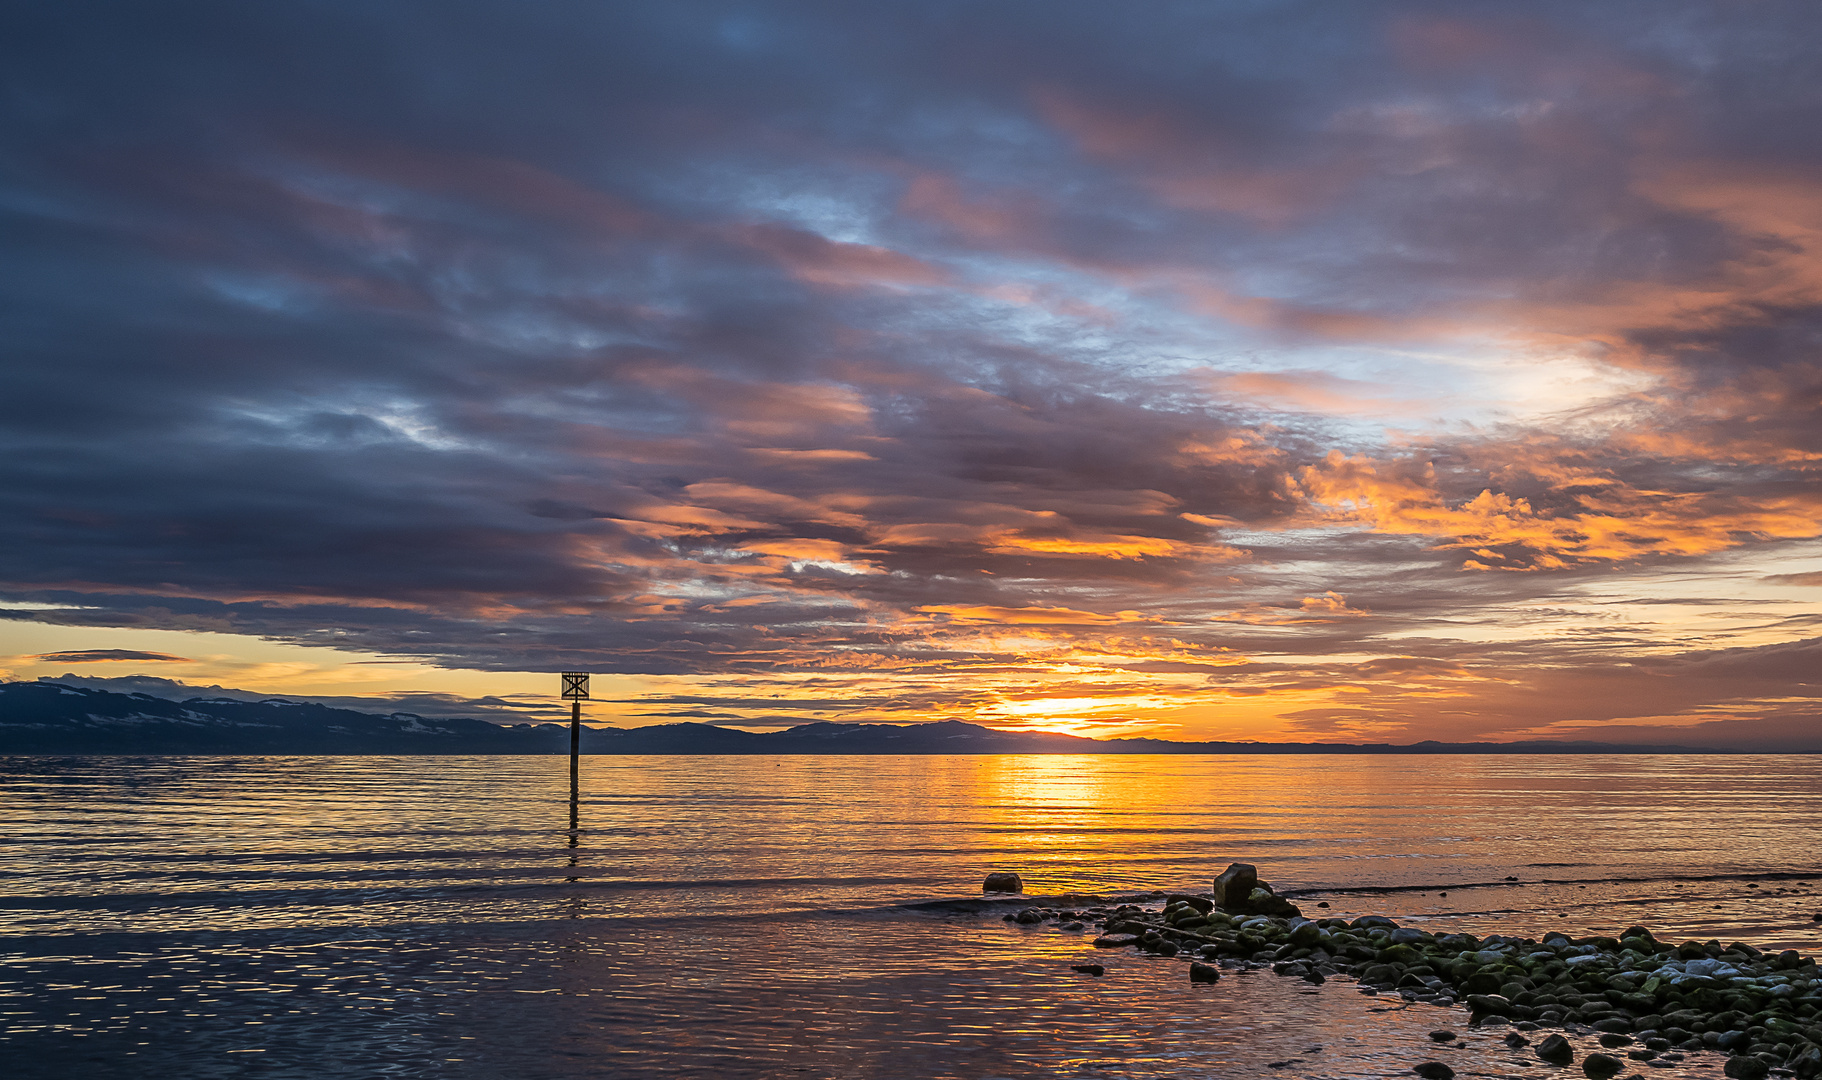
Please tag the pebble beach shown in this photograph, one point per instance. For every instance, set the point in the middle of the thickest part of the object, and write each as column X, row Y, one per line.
column 1646, row 1003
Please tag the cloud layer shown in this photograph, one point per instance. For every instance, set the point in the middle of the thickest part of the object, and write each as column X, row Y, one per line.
column 1367, row 369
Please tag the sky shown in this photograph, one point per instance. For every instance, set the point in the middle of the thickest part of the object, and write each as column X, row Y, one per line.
column 1319, row 371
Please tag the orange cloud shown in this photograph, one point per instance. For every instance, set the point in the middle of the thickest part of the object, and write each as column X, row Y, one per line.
column 1309, row 391
column 783, row 456
column 1101, row 547
column 747, row 498
column 1612, row 523
column 1329, row 603
column 985, row 615
column 1328, row 607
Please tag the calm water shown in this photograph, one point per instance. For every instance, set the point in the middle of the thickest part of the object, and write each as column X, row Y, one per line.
column 741, row 916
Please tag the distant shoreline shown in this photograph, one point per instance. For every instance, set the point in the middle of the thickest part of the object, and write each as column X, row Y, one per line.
column 5, row 751
column 40, row 718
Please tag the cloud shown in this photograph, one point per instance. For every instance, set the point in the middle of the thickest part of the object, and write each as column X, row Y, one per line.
column 429, row 704
column 1027, row 616
column 1378, row 363
column 87, row 656
column 1597, row 518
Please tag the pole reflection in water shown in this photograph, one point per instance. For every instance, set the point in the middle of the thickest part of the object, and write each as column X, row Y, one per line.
column 575, row 807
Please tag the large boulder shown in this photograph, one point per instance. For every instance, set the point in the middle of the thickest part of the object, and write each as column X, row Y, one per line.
column 1238, row 891
column 1003, row 882
column 1235, row 884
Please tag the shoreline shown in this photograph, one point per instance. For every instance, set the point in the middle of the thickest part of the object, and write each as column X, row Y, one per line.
column 1646, row 1000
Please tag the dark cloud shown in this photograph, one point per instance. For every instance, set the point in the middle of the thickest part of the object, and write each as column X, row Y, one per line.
column 902, row 343
column 84, row 656
column 429, row 704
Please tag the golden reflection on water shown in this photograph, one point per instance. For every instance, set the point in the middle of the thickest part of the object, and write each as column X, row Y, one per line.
column 442, row 838
column 734, row 916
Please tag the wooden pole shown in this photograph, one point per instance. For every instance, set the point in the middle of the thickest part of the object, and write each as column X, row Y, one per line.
column 575, row 688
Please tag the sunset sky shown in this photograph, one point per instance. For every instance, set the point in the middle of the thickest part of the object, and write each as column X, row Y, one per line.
column 1351, row 370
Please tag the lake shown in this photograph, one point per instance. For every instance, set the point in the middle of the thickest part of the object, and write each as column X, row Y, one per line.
column 745, row 916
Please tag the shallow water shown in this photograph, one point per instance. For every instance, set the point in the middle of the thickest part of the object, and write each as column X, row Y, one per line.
column 739, row 916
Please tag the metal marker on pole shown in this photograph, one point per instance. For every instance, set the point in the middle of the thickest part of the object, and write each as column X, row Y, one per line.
column 575, row 688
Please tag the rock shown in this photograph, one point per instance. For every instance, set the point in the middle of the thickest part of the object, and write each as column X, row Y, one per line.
column 1516, row 1041
column 1264, row 901
column 1434, row 1070
column 1089, row 969
column 1003, row 882
column 1166, row 948
column 1556, row 1050
column 1115, row 941
column 1490, row 1003
column 1806, row 1062
column 1200, row 903
column 1073, row 927
column 1613, row 1041
column 1745, row 1068
column 1028, row 916
column 1234, row 885
column 1204, row 973
column 1410, row 935
column 1442, row 1036
column 1306, row 935
column 1601, row 1066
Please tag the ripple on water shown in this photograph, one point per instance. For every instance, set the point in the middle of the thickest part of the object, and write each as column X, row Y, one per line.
column 732, row 917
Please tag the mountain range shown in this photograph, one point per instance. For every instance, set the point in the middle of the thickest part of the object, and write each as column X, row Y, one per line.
column 55, row 718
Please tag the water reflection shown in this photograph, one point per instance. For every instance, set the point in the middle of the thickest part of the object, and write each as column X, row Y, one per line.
column 575, row 804
column 733, row 916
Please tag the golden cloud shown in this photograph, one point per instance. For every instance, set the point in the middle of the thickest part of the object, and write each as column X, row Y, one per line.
column 987, row 615
column 1613, row 522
